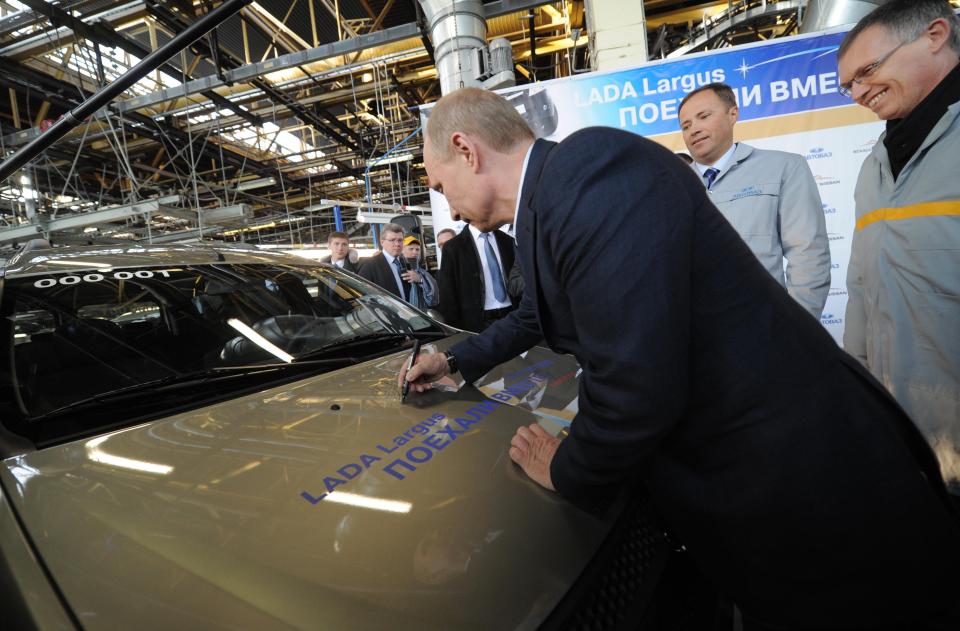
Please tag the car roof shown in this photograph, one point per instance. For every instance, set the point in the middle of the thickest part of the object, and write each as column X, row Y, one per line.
column 68, row 258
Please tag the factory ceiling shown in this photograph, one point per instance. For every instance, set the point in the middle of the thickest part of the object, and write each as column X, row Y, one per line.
column 242, row 135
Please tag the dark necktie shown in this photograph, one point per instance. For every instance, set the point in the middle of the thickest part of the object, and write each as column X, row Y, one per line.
column 710, row 175
column 403, row 283
column 499, row 289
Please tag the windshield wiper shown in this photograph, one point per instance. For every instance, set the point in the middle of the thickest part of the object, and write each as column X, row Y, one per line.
column 184, row 380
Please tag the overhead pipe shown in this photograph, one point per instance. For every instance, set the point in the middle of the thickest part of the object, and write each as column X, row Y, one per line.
column 148, row 64
column 458, row 30
column 823, row 14
column 531, row 18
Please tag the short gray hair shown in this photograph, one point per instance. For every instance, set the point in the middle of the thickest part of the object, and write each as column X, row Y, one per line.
column 477, row 112
column 722, row 90
column 391, row 227
column 906, row 21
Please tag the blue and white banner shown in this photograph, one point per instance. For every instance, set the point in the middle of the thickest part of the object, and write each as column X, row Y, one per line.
column 782, row 77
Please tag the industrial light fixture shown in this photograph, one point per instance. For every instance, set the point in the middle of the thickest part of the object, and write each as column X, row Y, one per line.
column 318, row 207
column 258, row 183
column 400, row 157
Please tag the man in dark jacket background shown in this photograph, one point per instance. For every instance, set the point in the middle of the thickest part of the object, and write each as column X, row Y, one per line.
column 469, row 284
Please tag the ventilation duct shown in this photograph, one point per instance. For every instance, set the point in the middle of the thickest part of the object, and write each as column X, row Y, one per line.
column 501, row 64
column 823, row 14
column 458, row 31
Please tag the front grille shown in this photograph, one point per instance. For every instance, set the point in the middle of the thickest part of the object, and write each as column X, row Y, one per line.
column 615, row 589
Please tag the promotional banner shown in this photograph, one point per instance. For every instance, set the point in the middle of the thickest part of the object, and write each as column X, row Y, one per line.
column 787, row 90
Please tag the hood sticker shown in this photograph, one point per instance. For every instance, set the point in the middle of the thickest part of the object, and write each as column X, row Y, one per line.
column 434, row 434
column 437, row 433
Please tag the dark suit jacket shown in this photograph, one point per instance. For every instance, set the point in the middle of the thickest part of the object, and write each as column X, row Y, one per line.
column 377, row 270
column 461, row 279
column 796, row 482
column 348, row 265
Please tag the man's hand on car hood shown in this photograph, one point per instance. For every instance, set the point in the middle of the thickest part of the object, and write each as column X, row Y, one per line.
column 533, row 448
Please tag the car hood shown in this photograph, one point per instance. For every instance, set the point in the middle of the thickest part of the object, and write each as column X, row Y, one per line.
column 324, row 503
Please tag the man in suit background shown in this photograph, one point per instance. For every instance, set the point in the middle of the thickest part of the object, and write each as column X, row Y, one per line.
column 340, row 253
column 443, row 236
column 441, row 239
column 473, row 279
column 387, row 267
column 796, row 482
column 422, row 291
column 769, row 197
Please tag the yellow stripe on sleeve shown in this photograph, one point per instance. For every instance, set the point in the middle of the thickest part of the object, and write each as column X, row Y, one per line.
column 929, row 209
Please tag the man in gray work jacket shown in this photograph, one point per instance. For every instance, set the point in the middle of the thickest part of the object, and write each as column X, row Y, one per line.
column 903, row 315
column 770, row 197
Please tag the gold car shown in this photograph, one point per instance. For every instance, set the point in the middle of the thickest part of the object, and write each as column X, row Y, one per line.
column 209, row 438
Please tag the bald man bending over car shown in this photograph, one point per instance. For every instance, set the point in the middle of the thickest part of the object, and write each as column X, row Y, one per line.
column 796, row 482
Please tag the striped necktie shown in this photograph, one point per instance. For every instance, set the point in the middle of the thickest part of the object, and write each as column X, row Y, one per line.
column 710, row 175
column 499, row 288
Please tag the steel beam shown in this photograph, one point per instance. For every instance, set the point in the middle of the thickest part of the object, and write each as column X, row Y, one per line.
column 106, row 35
column 76, row 116
column 727, row 21
column 248, row 73
column 60, row 36
column 107, row 215
column 180, row 235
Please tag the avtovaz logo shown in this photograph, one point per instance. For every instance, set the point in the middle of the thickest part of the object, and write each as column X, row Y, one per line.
column 836, row 291
column 829, row 318
column 835, row 236
column 818, row 153
column 866, row 147
column 829, row 210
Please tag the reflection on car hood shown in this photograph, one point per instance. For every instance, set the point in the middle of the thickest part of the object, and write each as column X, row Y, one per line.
column 320, row 504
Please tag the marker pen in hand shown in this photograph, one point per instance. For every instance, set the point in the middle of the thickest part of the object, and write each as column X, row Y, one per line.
column 413, row 360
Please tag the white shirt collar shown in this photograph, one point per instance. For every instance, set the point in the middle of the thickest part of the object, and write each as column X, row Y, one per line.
column 720, row 165
column 512, row 228
column 473, row 231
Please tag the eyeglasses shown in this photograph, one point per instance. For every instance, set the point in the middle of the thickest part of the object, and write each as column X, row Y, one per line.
column 399, row 240
column 846, row 89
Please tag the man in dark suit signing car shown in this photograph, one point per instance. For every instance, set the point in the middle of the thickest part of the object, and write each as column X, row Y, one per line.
column 796, row 483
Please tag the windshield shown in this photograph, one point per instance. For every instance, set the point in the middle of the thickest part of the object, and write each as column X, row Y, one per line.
column 79, row 334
